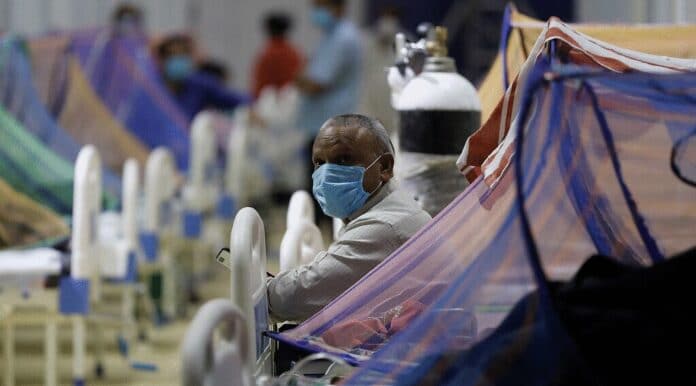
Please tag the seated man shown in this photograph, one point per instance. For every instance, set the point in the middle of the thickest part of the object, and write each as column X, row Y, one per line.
column 354, row 163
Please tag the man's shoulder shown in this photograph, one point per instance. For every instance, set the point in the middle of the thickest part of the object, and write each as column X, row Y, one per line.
column 394, row 210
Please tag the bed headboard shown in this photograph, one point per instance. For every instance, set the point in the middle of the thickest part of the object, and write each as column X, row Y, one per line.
column 248, row 279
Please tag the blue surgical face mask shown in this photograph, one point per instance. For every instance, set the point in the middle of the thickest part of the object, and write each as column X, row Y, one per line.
column 178, row 67
column 339, row 188
column 322, row 18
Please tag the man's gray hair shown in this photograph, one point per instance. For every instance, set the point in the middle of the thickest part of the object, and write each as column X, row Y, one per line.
column 372, row 124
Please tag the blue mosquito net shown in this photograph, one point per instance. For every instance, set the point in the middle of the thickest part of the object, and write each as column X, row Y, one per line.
column 605, row 164
column 20, row 98
column 123, row 74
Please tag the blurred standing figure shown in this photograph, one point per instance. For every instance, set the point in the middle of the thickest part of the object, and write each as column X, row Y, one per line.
column 127, row 20
column 375, row 100
column 330, row 84
column 193, row 90
column 279, row 62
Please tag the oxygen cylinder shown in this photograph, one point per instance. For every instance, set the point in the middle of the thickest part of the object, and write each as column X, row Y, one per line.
column 438, row 110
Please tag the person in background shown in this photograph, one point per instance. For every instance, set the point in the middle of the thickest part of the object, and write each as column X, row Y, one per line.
column 330, row 83
column 127, row 20
column 193, row 90
column 279, row 62
column 375, row 100
column 353, row 166
column 215, row 69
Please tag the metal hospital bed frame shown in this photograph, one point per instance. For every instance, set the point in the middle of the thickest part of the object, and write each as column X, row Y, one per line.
column 212, row 358
column 119, row 259
column 248, row 284
column 72, row 299
column 203, row 230
column 158, row 233
column 228, row 360
column 177, row 234
column 300, row 207
column 237, row 143
column 302, row 239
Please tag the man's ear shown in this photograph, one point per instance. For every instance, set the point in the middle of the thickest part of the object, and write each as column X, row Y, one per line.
column 387, row 163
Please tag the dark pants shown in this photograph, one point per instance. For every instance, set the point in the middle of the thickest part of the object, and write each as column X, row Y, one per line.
column 286, row 355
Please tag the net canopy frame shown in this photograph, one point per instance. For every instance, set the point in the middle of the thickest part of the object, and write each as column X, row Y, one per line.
column 519, row 32
column 614, row 47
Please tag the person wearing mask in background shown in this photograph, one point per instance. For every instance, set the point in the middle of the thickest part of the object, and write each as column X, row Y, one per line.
column 279, row 62
column 330, row 83
column 353, row 166
column 193, row 90
column 375, row 99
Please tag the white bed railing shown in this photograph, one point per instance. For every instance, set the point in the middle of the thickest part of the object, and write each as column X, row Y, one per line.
column 301, row 243
column 119, row 251
column 160, row 187
column 129, row 203
column 223, row 362
column 302, row 239
column 204, row 231
column 83, row 286
column 236, row 157
column 200, row 192
column 300, row 207
column 248, row 286
column 160, row 223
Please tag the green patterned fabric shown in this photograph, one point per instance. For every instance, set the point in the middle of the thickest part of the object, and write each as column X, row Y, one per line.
column 24, row 222
column 31, row 168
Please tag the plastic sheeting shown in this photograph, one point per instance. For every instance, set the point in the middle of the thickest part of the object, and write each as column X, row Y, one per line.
column 597, row 177
column 19, row 97
column 124, row 76
column 25, row 222
column 69, row 96
column 588, row 45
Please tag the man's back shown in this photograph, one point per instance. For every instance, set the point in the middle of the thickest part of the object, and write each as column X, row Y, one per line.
column 337, row 64
column 277, row 65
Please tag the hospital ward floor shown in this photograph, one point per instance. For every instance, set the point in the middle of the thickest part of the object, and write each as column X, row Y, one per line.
column 162, row 348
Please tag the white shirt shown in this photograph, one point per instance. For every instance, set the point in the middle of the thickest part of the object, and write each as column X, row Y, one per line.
column 372, row 233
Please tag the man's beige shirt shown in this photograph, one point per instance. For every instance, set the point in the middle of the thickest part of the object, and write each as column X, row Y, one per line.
column 386, row 221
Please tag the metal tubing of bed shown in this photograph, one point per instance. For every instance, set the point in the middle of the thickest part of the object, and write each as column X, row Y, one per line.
column 79, row 349
column 9, row 352
column 127, row 312
column 51, row 353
